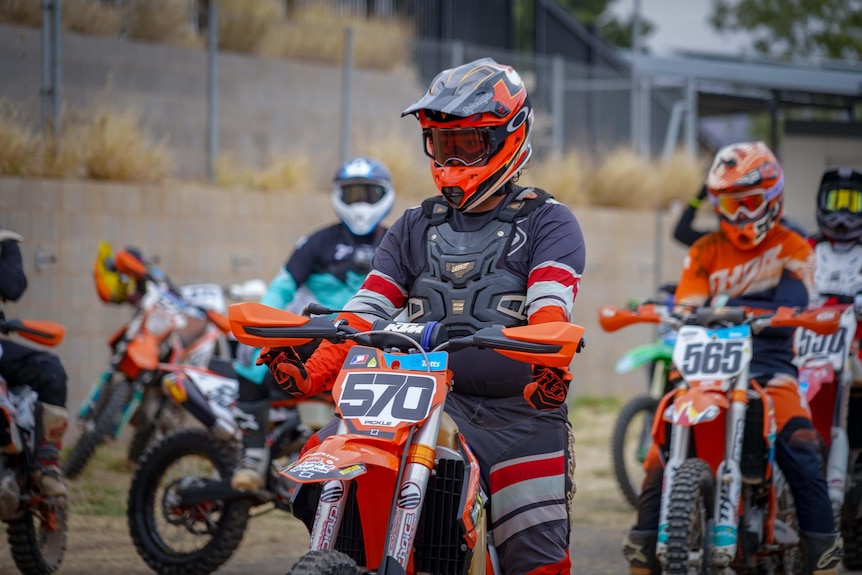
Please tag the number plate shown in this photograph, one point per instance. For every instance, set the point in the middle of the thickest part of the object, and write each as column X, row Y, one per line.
column 834, row 346
column 702, row 353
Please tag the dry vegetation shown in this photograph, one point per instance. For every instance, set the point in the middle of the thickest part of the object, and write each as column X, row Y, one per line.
column 101, row 143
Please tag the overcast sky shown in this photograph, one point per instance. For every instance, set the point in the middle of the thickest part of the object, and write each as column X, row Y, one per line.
column 682, row 25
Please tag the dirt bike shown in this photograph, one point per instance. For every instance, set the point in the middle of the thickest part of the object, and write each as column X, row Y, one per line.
column 826, row 375
column 183, row 515
column 631, row 438
column 36, row 526
column 170, row 325
column 724, row 504
column 396, row 489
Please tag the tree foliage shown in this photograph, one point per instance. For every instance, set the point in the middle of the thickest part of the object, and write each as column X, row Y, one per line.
column 594, row 13
column 795, row 28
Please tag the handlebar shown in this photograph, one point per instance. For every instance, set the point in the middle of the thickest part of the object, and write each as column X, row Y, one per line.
column 552, row 344
column 822, row 320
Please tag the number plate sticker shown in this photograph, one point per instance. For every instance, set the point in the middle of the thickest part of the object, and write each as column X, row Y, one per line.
column 220, row 390
column 415, row 361
column 386, row 399
column 834, row 346
column 702, row 353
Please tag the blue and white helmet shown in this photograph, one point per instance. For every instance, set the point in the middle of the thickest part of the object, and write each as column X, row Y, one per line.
column 362, row 194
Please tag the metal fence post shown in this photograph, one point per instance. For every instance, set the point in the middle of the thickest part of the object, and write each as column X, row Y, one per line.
column 557, row 104
column 212, row 89
column 691, row 118
column 55, row 63
column 345, row 94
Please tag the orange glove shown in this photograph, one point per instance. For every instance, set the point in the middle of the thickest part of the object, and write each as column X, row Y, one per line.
column 549, row 387
column 288, row 370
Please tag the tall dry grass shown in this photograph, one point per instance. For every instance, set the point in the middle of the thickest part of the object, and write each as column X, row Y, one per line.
column 289, row 171
column 316, row 33
column 91, row 17
column 101, row 143
column 21, row 12
column 166, row 21
column 243, row 24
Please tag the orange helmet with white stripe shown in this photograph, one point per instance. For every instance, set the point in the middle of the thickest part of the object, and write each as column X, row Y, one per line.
column 476, row 121
column 746, row 187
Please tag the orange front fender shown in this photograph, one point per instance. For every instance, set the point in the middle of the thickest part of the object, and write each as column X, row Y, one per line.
column 341, row 457
column 697, row 405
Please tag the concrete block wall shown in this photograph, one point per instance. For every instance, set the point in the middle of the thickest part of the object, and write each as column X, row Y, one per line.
column 203, row 234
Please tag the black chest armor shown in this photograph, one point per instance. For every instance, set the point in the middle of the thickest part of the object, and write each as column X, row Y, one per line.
column 463, row 286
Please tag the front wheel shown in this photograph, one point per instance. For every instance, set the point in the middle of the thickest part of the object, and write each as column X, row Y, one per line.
column 689, row 517
column 630, row 442
column 98, row 430
column 175, row 538
column 324, row 562
column 38, row 539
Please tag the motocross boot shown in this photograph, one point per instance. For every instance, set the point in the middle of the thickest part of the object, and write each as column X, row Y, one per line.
column 51, row 424
column 639, row 551
column 253, row 418
column 821, row 553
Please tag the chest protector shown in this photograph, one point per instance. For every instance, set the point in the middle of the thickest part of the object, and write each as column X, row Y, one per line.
column 464, row 287
column 837, row 272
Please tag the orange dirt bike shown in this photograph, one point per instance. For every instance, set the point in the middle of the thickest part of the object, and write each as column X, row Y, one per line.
column 170, row 325
column 396, row 489
column 828, row 365
column 36, row 526
column 183, row 515
column 724, row 502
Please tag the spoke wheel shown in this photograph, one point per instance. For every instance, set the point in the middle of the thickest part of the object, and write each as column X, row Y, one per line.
column 630, row 442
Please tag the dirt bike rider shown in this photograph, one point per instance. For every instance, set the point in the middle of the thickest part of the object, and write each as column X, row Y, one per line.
column 38, row 369
column 760, row 264
column 838, row 243
column 326, row 267
column 484, row 252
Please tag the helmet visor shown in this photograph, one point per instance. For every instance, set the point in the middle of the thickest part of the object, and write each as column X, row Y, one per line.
column 467, row 146
column 842, row 199
column 361, row 192
column 743, row 206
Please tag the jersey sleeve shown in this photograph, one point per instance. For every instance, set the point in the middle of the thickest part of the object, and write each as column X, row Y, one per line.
column 556, row 264
column 693, row 286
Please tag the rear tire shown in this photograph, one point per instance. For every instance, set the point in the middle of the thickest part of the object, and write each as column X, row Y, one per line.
column 629, row 442
column 689, row 515
column 39, row 545
column 324, row 562
column 184, row 540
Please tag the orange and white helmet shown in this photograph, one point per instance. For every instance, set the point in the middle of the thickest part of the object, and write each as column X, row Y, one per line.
column 476, row 121
column 746, row 187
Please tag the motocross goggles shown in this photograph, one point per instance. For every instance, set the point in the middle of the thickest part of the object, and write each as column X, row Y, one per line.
column 842, row 199
column 353, row 193
column 745, row 206
column 467, row 146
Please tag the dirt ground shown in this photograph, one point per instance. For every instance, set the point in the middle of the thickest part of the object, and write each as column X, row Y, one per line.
column 99, row 544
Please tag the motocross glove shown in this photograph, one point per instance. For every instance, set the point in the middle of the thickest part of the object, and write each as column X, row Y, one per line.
column 549, row 387
column 287, row 368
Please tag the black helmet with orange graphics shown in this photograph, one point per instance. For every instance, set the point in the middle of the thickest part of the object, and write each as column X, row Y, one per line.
column 476, row 121
column 746, row 187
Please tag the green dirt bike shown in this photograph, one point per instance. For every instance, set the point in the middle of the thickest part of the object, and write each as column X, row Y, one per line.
column 631, row 436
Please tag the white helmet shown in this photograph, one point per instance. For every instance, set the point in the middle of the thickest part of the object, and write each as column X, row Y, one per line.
column 362, row 194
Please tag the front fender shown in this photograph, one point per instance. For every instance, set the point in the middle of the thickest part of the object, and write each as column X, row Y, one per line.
column 340, row 457
column 695, row 406
column 643, row 354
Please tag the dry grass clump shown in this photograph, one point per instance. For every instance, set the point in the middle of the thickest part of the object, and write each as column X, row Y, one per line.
column 21, row 12
column 625, row 179
column 286, row 172
column 564, row 177
column 20, row 148
column 91, row 17
column 316, row 33
column 407, row 165
column 242, row 24
column 165, row 21
column 101, row 144
column 118, row 148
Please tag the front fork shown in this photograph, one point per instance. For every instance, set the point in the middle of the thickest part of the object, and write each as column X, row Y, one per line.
column 406, row 505
column 839, row 446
